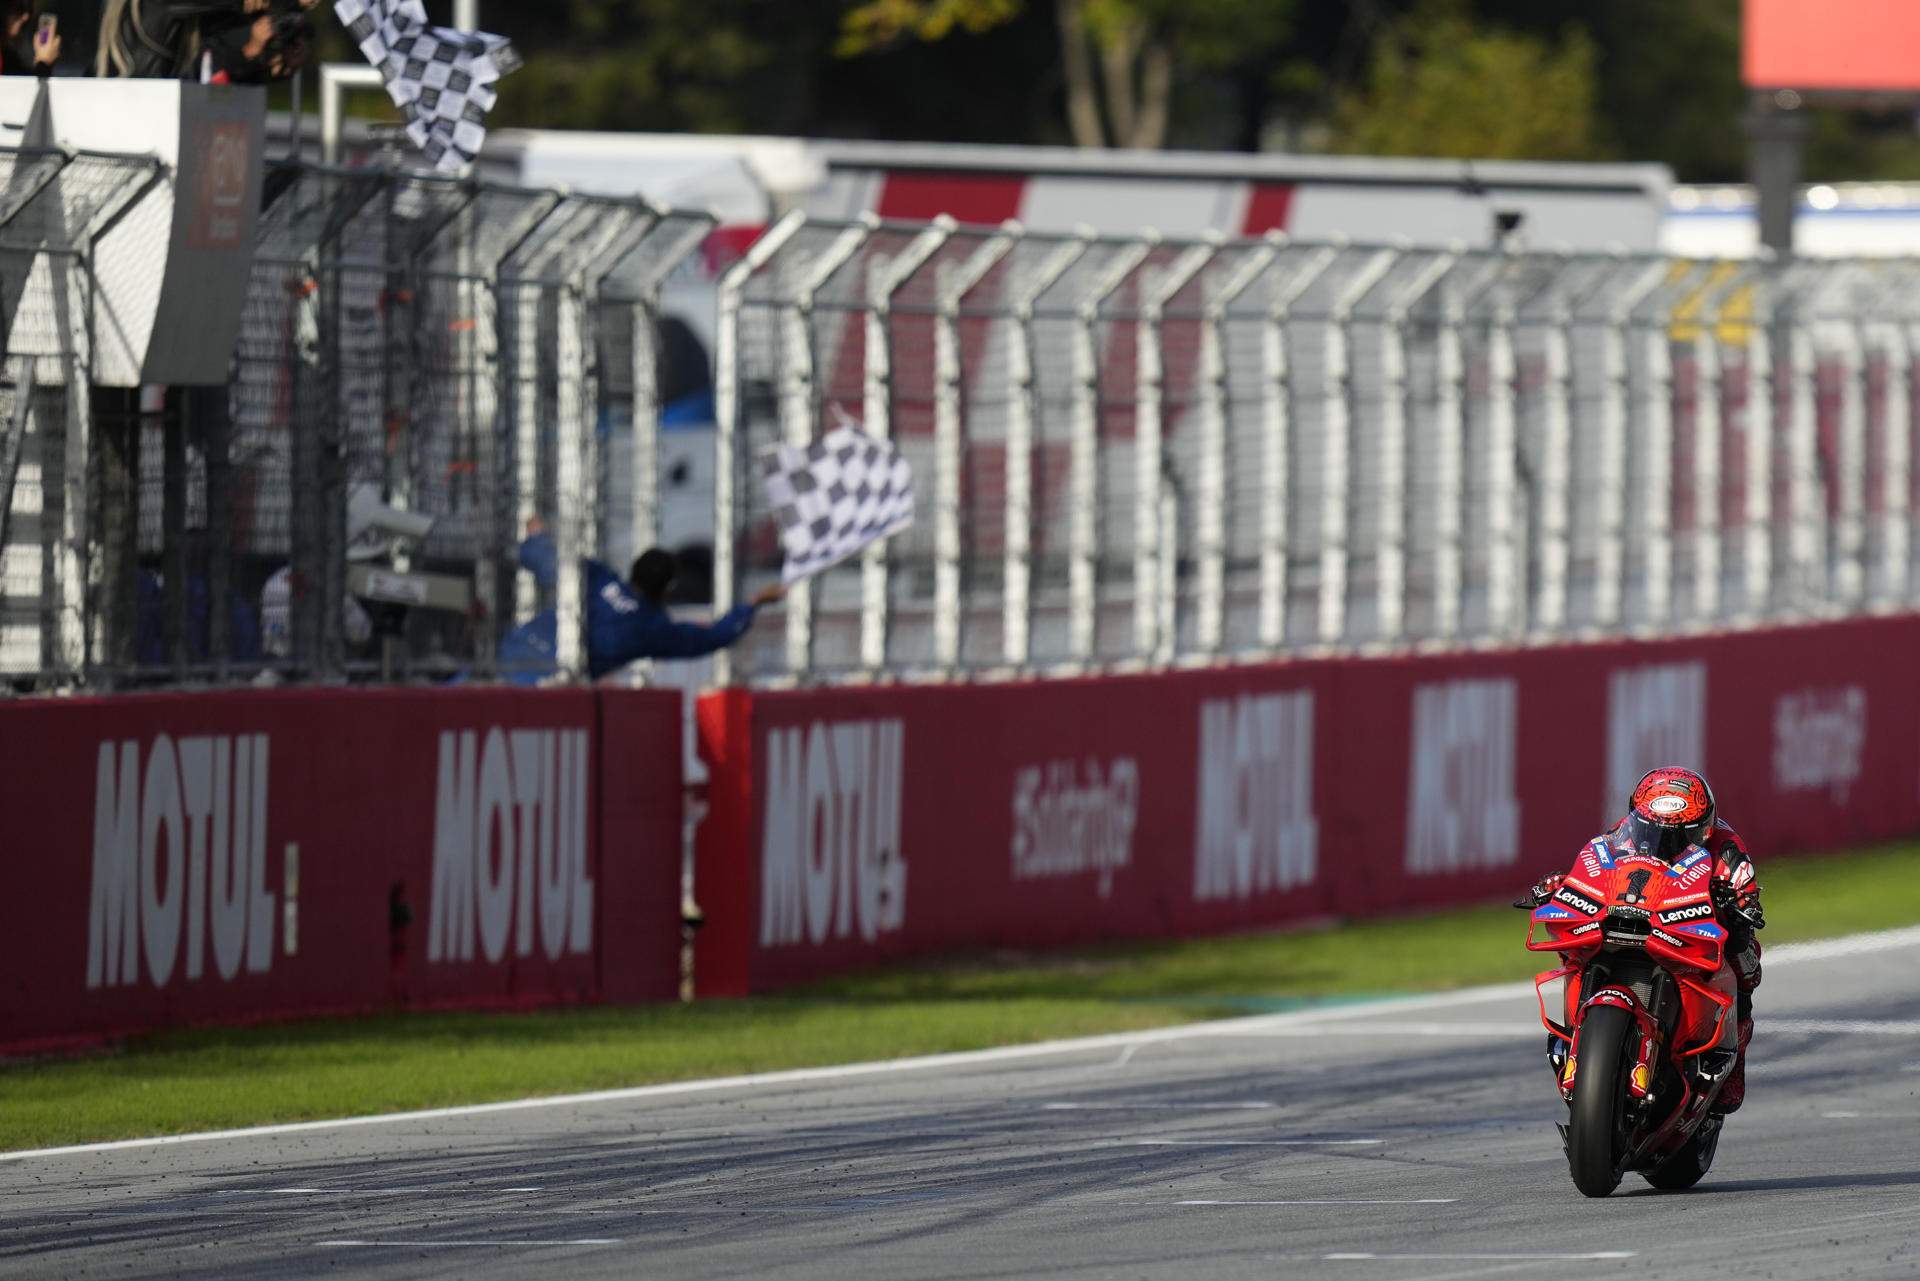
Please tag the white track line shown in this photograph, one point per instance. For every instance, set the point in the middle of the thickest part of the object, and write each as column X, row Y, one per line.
column 1160, row 1105
column 1256, row 1143
column 1438, row 1200
column 1349, row 1256
column 432, row 1245
column 1841, row 1027
column 1787, row 954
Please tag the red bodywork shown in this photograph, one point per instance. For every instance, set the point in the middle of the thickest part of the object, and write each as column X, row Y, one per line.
column 1617, row 903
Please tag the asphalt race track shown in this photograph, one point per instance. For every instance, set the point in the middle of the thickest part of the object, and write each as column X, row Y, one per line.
column 1399, row 1141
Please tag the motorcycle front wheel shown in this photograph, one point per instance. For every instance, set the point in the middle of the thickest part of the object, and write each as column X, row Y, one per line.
column 1596, row 1130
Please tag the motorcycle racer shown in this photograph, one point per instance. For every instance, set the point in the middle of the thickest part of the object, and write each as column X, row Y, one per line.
column 1670, row 813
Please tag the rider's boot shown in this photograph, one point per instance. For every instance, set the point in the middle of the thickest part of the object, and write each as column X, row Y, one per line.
column 1734, row 1092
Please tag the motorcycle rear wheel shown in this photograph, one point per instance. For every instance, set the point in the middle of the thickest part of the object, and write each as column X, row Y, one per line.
column 1596, row 1129
column 1689, row 1165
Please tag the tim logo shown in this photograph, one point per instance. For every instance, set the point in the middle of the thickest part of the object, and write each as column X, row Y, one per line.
column 180, row 855
column 1462, row 814
column 830, row 856
column 1655, row 716
column 1257, row 833
column 510, row 845
column 220, row 218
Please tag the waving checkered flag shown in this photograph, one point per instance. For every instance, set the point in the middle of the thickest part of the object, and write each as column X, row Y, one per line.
column 441, row 79
column 835, row 496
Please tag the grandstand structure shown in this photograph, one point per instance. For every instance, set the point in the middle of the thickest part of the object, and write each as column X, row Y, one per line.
column 1131, row 451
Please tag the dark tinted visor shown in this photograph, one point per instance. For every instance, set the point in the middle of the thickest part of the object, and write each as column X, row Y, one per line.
column 1663, row 841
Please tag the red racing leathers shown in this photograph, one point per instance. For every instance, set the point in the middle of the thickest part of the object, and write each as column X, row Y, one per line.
column 1736, row 898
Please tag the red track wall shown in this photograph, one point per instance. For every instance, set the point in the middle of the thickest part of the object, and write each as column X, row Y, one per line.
column 853, row 825
column 215, row 857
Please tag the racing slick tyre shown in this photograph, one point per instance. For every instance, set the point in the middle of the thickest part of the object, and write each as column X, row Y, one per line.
column 1596, row 1130
column 1690, row 1164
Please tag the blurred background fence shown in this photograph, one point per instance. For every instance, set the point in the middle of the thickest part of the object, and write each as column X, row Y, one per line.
column 1136, row 452
column 1128, row 451
column 449, row 349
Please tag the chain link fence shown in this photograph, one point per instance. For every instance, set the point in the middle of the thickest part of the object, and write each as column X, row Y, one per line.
column 436, row 359
column 1129, row 452
column 1144, row 452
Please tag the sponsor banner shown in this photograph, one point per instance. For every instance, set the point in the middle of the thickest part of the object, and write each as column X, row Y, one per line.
column 237, row 856
column 854, row 825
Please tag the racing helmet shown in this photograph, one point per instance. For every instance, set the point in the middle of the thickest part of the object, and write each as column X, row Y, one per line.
column 1671, row 811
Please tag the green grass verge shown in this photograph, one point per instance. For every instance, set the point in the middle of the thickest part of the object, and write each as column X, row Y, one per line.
column 185, row 1081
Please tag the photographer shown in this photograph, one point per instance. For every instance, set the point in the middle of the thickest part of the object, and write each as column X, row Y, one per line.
column 26, row 47
column 229, row 41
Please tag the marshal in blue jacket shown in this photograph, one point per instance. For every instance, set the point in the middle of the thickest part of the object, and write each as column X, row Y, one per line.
column 622, row 625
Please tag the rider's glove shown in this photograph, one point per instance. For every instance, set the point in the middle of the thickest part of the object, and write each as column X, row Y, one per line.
column 1541, row 891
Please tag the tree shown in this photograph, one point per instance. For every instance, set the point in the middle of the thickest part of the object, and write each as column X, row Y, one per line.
column 1118, row 58
column 1441, row 84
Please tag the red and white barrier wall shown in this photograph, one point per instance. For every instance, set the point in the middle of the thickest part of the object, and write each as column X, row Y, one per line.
column 854, row 825
column 175, row 859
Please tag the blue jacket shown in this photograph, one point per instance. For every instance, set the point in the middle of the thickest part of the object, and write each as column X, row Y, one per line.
column 622, row 626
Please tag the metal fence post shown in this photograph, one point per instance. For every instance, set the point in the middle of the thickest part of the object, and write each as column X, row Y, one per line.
column 1278, row 434
column 645, row 307
column 1706, row 465
column 486, row 375
column 1391, row 559
column 1506, row 561
column 1554, row 517
column 1654, row 473
column 1709, row 432
column 1849, row 534
column 1149, row 535
column 1083, row 571
column 726, row 415
column 1805, row 514
column 951, row 288
column 1756, row 542
column 1336, row 474
column 1896, row 477
column 1017, row 590
column 1610, row 557
column 886, row 280
column 1210, row 499
column 799, row 418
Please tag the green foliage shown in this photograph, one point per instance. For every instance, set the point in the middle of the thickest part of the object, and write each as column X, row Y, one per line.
column 879, row 23
column 1442, row 85
column 642, row 65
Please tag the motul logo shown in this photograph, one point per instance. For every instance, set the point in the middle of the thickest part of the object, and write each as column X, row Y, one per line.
column 510, row 845
column 830, row 855
column 179, row 854
column 1257, row 831
column 1656, row 716
column 1461, row 813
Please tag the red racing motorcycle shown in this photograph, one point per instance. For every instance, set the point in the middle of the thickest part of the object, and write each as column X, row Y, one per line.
column 1640, row 1014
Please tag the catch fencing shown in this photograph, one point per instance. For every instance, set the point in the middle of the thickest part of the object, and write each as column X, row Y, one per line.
column 461, row 350
column 1130, row 452
column 1141, row 452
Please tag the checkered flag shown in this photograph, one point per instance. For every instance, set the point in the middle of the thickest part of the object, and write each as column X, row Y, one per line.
column 442, row 80
column 835, row 496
